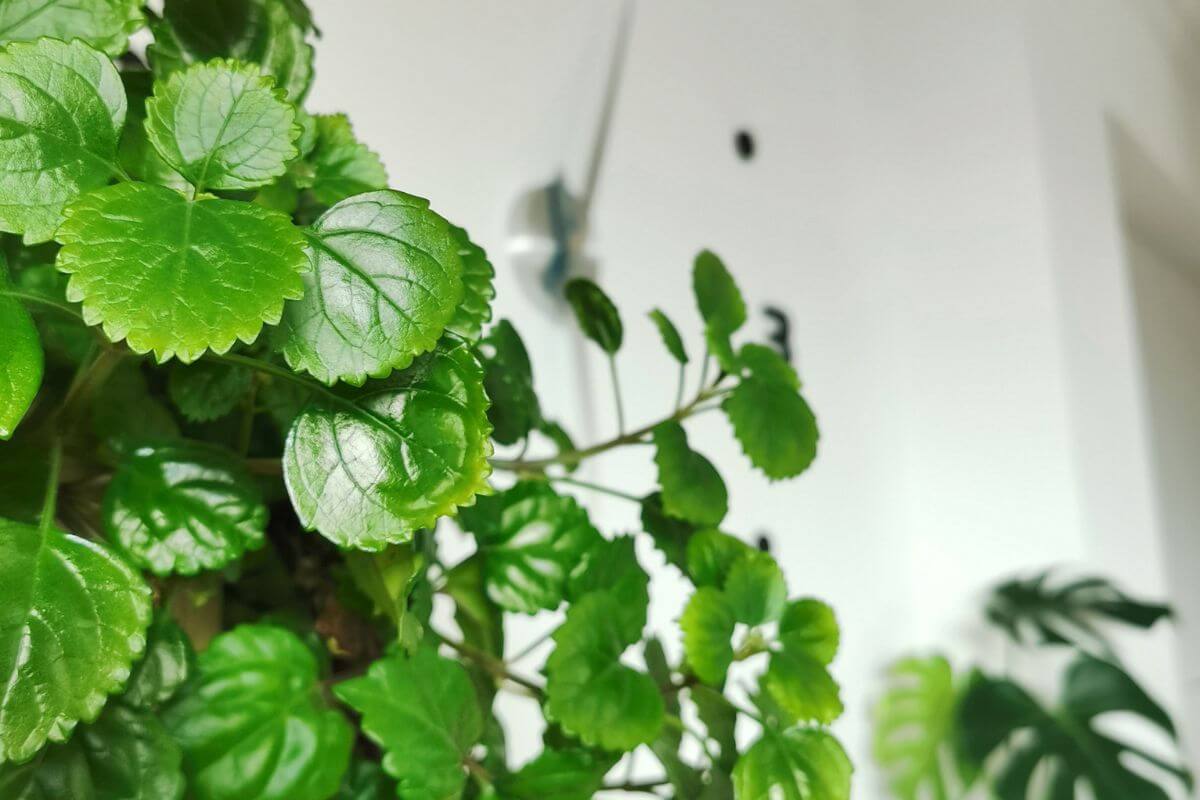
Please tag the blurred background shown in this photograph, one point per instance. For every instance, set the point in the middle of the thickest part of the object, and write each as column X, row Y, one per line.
column 974, row 222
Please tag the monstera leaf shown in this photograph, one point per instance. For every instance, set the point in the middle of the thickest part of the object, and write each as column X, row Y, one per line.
column 796, row 764
column 916, row 739
column 72, row 619
column 369, row 472
column 252, row 722
column 1045, row 753
column 1035, row 611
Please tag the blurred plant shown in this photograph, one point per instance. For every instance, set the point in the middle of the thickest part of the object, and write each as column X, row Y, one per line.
column 274, row 501
column 939, row 738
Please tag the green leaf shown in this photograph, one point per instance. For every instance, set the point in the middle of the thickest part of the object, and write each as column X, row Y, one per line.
column 708, row 624
column 915, row 733
column 720, row 720
column 372, row 471
column 475, row 310
column 208, row 390
column 597, row 316
column 670, row 335
column 557, row 775
column 184, row 507
column 104, row 24
column 126, row 754
column 797, row 764
column 670, row 535
column 1033, row 611
column 564, row 445
column 801, row 688
column 264, row 32
column 342, row 165
column 809, row 626
column 711, row 554
column 589, row 691
column 163, row 668
column 774, row 424
column 720, row 303
column 692, row 488
column 74, row 619
column 1065, row 747
column 386, row 278
column 136, row 154
column 422, row 712
column 252, row 723
column 64, row 337
column 530, row 538
column 480, row 620
column 222, row 125
column 508, row 379
column 386, row 578
column 612, row 567
column 178, row 276
column 21, row 361
column 366, row 780
column 755, row 589
column 130, row 414
column 61, row 111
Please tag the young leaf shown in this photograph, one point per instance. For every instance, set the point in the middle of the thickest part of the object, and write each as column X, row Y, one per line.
column 163, row 668
column 178, row 276
column 386, row 278
column 612, row 567
column 126, row 754
column 1064, row 747
column 475, row 310
column 208, row 390
column 597, row 316
column 710, row 556
column 265, row 32
column 21, row 361
column 530, row 537
column 61, row 114
column 755, row 589
column 422, row 712
column 708, row 624
column 721, row 305
column 252, row 722
column 772, row 421
column 222, row 125
column 574, row 774
column 809, row 626
column 372, row 471
column 797, row 682
column 508, row 379
column 387, row 578
column 589, row 691
column 670, row 335
column 915, row 733
column 179, row 508
column 342, row 165
column 692, row 488
column 104, row 24
column 671, row 535
column 796, row 764
column 136, row 154
column 75, row 619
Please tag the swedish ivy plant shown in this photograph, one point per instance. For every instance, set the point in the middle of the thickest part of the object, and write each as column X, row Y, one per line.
column 980, row 734
column 247, row 390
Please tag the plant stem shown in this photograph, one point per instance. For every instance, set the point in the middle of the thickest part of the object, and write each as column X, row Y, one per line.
column 679, row 388
column 246, row 428
column 54, row 305
column 529, row 648
column 595, row 487
column 616, row 383
column 678, row 724
column 92, row 374
column 50, row 499
column 495, row 666
column 645, row 787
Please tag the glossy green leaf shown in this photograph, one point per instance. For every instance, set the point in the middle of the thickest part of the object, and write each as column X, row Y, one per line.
column 797, row 764
column 178, row 276
column 72, row 619
column 372, row 471
column 915, row 732
column 422, row 712
column 670, row 335
column 809, row 626
column 104, row 24
column 755, row 589
column 530, row 538
column 136, row 154
column 797, row 682
column 163, row 668
column 386, row 278
column 475, row 310
column 589, row 691
column 557, row 775
column 222, row 125
column 1036, row 611
column 208, row 390
column 183, row 507
column 64, row 336
column 342, row 165
column 508, row 379
column 386, row 578
column 1063, row 749
column 721, row 305
column 126, row 754
column 774, row 424
column 21, row 360
column 708, row 624
column 611, row 566
column 670, row 535
column 265, row 32
column 597, row 316
column 61, row 111
column 692, row 488
column 252, row 722
column 711, row 554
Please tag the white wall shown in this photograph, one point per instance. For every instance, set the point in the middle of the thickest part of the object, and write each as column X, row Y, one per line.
column 935, row 203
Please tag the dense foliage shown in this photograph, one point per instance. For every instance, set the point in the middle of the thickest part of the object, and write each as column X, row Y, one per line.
column 246, row 387
column 939, row 736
